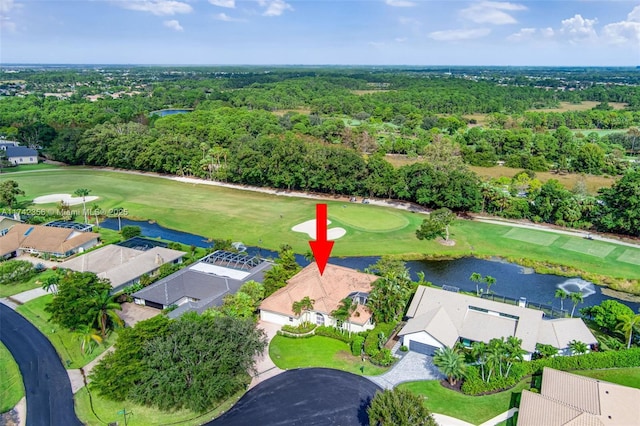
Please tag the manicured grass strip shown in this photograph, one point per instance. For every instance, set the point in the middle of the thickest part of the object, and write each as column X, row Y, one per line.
column 11, row 289
column 11, row 388
column 28, row 168
column 318, row 351
column 590, row 247
column 472, row 409
column 368, row 218
column 66, row 343
column 107, row 412
column 533, row 237
column 621, row 376
column 630, row 256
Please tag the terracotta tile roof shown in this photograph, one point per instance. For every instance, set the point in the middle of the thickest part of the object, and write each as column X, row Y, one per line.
column 328, row 290
column 44, row 239
column 538, row 410
column 575, row 391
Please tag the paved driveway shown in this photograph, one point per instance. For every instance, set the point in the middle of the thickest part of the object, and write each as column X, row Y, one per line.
column 412, row 366
column 307, row 396
column 47, row 387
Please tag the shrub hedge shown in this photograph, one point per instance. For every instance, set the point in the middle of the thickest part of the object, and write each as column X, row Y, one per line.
column 371, row 347
column 334, row 333
column 356, row 345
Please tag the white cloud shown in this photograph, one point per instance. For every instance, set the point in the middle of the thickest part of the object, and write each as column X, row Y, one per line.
column 624, row 31
column 400, row 3
column 578, row 28
column 463, row 34
column 274, row 7
column 491, row 12
column 157, row 7
column 224, row 3
column 531, row 33
column 173, row 24
column 400, row 39
column 6, row 6
column 6, row 23
column 226, row 18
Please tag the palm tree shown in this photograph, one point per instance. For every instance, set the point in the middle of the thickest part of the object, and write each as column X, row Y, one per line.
column 561, row 294
column 118, row 212
column 104, row 310
column 83, row 192
column 576, row 297
column 476, row 278
column 495, row 355
column 490, row 281
column 50, row 283
column 451, row 363
column 577, row 347
column 304, row 305
column 626, row 324
column 88, row 336
column 479, row 352
column 344, row 311
column 513, row 352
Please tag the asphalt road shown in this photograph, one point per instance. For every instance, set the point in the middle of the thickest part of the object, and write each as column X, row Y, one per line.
column 309, row 396
column 46, row 383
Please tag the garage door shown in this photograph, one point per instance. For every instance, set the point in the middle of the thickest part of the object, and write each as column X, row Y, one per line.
column 422, row 348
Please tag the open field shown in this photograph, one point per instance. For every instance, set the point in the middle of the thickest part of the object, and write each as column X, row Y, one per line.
column 109, row 411
column 583, row 106
column 621, row 376
column 318, row 351
column 66, row 343
column 30, row 167
column 630, row 256
column 592, row 248
column 11, row 388
column 473, row 409
column 247, row 216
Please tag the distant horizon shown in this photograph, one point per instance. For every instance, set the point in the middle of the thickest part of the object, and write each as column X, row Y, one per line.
column 559, row 33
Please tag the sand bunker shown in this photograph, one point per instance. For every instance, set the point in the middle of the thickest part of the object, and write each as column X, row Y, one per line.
column 309, row 228
column 67, row 198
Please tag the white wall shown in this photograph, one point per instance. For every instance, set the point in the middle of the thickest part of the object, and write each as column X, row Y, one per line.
column 24, row 160
column 421, row 337
column 277, row 318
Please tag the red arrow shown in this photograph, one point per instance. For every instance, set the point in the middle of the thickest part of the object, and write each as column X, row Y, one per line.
column 321, row 248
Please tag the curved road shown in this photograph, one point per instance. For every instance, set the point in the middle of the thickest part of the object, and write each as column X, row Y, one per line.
column 47, row 386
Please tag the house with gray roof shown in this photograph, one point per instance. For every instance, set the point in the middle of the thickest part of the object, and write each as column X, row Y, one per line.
column 203, row 284
column 17, row 154
column 567, row 399
column 439, row 318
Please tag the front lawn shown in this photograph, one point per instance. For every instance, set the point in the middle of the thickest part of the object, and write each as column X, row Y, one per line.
column 472, row 409
column 11, row 289
column 318, row 351
column 11, row 388
column 107, row 411
column 621, row 376
column 66, row 343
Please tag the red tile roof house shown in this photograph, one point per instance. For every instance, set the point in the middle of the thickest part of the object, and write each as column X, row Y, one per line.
column 327, row 291
column 38, row 239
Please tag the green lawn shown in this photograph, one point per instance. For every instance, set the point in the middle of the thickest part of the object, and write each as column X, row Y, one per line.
column 318, row 351
column 65, row 342
column 621, row 376
column 11, row 289
column 28, row 168
column 531, row 236
column 107, row 412
column 11, row 388
column 472, row 409
column 266, row 220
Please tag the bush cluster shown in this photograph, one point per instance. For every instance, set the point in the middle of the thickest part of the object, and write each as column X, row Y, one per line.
column 474, row 385
column 356, row 345
column 372, row 342
column 590, row 361
column 303, row 328
column 13, row 271
column 334, row 333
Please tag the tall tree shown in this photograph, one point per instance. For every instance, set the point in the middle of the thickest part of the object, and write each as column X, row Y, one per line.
column 345, row 309
column 577, row 347
column 303, row 305
column 561, row 294
column 9, row 191
column 436, row 225
column 620, row 207
column 489, row 280
column 576, row 298
column 83, row 192
column 626, row 324
column 88, row 337
column 476, row 278
column 104, row 311
column 399, row 407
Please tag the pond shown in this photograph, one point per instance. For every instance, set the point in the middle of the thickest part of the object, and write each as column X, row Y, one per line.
column 512, row 281
column 170, row 111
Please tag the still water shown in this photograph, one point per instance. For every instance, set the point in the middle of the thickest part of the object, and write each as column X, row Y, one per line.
column 512, row 280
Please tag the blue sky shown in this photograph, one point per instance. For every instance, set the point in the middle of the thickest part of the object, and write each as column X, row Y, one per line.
column 376, row 32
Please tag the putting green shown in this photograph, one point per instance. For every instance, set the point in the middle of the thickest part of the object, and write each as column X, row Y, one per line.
column 630, row 256
column 368, row 218
column 533, row 237
column 590, row 247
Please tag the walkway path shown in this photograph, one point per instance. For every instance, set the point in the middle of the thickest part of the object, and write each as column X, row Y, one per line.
column 264, row 366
